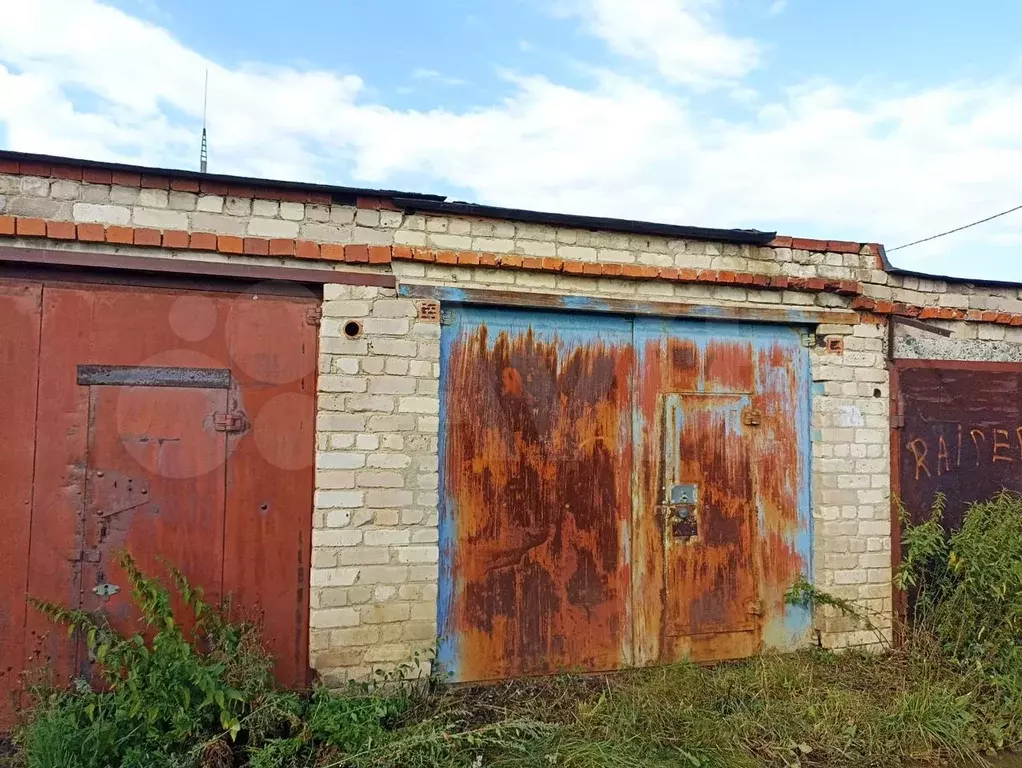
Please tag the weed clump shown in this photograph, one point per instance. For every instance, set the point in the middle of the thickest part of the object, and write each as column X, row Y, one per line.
column 199, row 698
column 950, row 693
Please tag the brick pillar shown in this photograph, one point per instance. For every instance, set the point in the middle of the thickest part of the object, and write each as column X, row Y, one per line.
column 374, row 558
column 851, row 480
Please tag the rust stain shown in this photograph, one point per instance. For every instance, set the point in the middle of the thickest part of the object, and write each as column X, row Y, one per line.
column 537, row 469
column 721, row 592
column 729, row 367
column 780, row 460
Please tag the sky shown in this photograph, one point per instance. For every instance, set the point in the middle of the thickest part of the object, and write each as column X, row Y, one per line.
column 870, row 121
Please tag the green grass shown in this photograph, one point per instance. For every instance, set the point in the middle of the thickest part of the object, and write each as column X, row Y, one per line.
column 951, row 695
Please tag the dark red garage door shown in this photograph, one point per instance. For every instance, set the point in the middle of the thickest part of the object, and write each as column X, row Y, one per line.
column 177, row 424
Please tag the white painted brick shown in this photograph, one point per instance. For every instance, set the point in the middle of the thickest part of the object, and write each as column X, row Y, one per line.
column 388, row 461
column 395, row 347
column 387, row 497
column 238, row 206
column 333, row 577
column 340, row 460
column 387, row 537
column 370, row 403
column 454, row 242
column 418, row 554
column 101, row 214
column 393, row 385
column 210, row 203
column 335, row 617
column 340, row 499
column 292, row 211
column 337, row 518
column 576, row 253
column 418, row 405
column 367, row 218
column 273, row 228
column 388, row 326
column 333, row 383
column 379, row 479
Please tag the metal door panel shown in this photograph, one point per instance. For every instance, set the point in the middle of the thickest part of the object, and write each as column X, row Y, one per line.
column 270, row 475
column 152, row 334
column 20, row 317
column 535, row 493
column 732, row 400
column 155, row 488
column 58, row 501
column 710, row 581
column 961, row 436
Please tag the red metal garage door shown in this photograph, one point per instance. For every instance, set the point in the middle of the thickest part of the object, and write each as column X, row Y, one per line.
column 176, row 424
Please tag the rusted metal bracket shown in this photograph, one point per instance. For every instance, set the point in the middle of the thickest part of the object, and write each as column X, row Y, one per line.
column 751, row 417
column 231, row 421
column 314, row 316
column 487, row 297
column 913, row 323
column 153, row 376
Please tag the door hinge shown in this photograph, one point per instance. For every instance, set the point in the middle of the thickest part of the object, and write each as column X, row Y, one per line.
column 897, row 414
column 231, row 421
column 755, row 608
column 314, row 316
column 751, row 417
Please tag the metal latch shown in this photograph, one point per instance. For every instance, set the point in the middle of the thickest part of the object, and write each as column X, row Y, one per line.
column 751, row 417
column 106, row 591
column 231, row 421
column 314, row 315
column 755, row 608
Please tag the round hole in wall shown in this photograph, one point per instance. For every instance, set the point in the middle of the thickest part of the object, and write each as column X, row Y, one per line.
column 353, row 329
column 877, row 392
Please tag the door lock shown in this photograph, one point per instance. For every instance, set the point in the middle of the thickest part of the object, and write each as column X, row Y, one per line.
column 681, row 517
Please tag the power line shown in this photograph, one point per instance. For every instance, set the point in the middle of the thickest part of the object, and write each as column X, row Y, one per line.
column 957, row 229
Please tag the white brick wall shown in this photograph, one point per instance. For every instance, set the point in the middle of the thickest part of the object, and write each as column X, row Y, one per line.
column 374, row 566
column 374, row 576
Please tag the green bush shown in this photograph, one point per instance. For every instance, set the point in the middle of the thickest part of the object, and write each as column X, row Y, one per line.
column 200, row 698
column 951, row 692
column 967, row 590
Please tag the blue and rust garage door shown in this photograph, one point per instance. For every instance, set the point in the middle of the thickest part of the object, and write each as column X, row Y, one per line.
column 618, row 491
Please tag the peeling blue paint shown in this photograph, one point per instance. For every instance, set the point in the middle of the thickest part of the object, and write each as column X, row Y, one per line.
column 589, row 320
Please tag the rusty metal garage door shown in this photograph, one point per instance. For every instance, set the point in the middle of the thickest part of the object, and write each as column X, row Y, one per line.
column 618, row 491
column 957, row 430
column 176, row 424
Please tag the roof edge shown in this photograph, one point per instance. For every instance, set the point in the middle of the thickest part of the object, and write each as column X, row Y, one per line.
column 736, row 236
column 179, row 173
column 410, row 201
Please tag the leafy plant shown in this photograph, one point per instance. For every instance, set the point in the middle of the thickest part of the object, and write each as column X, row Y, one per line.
column 804, row 594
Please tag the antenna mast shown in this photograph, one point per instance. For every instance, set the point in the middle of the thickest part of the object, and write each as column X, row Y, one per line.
column 203, row 154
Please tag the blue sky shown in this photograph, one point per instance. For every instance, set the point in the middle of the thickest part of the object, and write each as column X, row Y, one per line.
column 864, row 121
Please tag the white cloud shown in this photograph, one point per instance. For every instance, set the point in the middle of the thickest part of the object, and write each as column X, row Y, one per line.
column 822, row 161
column 434, row 76
column 777, row 7
column 678, row 37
